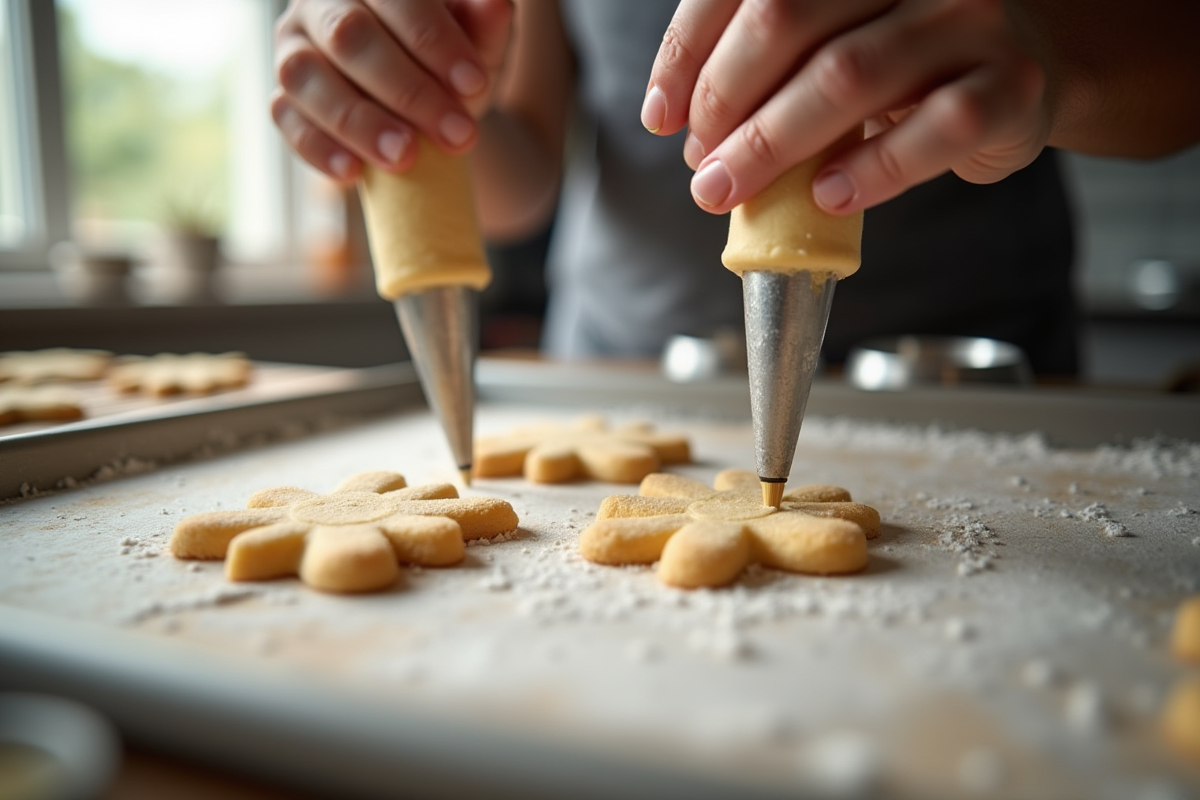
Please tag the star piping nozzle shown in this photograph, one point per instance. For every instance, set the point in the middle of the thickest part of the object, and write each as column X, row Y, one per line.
column 786, row 314
column 790, row 254
column 429, row 261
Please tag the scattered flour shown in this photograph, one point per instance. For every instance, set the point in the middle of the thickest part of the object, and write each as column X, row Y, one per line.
column 1097, row 512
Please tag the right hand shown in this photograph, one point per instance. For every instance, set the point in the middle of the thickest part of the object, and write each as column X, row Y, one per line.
column 358, row 79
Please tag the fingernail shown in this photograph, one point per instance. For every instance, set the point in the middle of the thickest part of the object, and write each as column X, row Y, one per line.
column 392, row 145
column 833, row 190
column 456, row 129
column 654, row 109
column 467, row 79
column 693, row 151
column 339, row 164
column 712, row 184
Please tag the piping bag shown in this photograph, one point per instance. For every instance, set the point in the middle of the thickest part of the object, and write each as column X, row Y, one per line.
column 790, row 255
column 429, row 261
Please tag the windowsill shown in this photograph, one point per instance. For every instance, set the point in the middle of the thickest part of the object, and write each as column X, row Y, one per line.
column 235, row 285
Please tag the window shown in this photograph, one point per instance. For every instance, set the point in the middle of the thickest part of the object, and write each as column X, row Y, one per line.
column 120, row 119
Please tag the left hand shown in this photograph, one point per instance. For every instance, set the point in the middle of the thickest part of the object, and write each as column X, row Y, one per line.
column 765, row 84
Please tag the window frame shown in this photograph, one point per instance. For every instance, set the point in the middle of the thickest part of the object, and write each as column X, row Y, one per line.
column 42, row 141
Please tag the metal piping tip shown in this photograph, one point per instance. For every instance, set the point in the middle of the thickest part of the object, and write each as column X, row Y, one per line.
column 465, row 474
column 772, row 493
column 439, row 326
column 786, row 314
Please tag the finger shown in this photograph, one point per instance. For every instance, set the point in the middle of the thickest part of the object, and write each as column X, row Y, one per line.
column 329, row 101
column 983, row 125
column 367, row 54
column 888, row 63
column 690, row 38
column 312, row 144
column 436, row 40
column 488, row 25
column 760, row 47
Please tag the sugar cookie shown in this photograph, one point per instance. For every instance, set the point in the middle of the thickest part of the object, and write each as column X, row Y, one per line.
column 704, row 537
column 589, row 449
column 1181, row 717
column 54, row 364
column 167, row 373
column 1185, row 631
column 350, row 540
column 37, row 404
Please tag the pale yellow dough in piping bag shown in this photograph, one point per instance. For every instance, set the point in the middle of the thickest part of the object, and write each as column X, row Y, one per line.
column 421, row 225
column 783, row 230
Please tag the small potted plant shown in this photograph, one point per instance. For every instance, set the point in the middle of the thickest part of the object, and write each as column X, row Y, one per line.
column 194, row 252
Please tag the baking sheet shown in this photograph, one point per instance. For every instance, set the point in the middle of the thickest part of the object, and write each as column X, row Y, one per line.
column 1007, row 639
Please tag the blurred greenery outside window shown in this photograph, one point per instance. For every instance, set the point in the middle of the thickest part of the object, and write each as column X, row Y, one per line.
column 166, row 124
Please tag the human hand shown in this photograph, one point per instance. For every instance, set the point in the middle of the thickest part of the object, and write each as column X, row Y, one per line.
column 765, row 84
column 359, row 78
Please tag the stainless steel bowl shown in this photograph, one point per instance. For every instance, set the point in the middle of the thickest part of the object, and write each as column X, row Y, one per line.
column 687, row 359
column 901, row 362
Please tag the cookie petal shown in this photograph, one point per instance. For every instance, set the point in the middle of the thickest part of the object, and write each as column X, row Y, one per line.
column 631, row 540
column 348, row 559
column 261, row 554
column 379, row 481
column 208, row 535
column 818, row 493
column 736, row 480
column 803, row 543
column 279, row 496
column 705, row 554
column 661, row 484
column 631, row 505
column 428, row 541
column 426, row 491
column 479, row 517
column 553, row 462
column 861, row 514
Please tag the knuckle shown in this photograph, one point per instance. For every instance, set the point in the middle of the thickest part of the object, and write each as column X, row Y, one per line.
column 843, row 70
column 961, row 116
column 347, row 29
column 674, row 53
column 407, row 97
column 759, row 140
column 296, row 68
column 763, row 19
column 708, row 106
column 424, row 37
column 890, row 166
column 342, row 119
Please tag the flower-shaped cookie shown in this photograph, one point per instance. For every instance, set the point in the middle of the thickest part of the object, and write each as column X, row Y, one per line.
column 350, row 540
column 167, row 373
column 38, row 403
column 54, row 364
column 704, row 537
column 589, row 449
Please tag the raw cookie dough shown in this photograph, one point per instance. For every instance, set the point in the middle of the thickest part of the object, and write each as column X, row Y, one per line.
column 54, row 364
column 782, row 229
column 351, row 540
column 1181, row 718
column 421, row 225
column 37, row 404
column 1185, row 632
column 589, row 449
column 704, row 537
column 167, row 373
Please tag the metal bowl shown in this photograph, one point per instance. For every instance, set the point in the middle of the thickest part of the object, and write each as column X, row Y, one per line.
column 901, row 362
column 688, row 359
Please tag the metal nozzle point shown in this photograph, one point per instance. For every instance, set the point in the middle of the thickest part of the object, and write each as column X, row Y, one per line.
column 772, row 493
column 439, row 326
column 465, row 474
